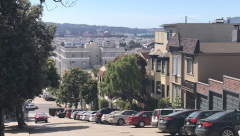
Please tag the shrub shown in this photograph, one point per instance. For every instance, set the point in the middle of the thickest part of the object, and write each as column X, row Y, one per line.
column 163, row 103
column 134, row 106
column 121, row 104
column 102, row 103
column 177, row 102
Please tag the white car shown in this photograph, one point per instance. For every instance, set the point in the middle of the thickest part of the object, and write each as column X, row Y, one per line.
column 105, row 117
column 31, row 106
column 86, row 116
column 92, row 117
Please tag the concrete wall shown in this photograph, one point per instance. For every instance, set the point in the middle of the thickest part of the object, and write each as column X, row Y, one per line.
column 215, row 66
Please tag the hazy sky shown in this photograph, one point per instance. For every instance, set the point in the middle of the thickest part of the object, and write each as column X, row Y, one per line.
column 139, row 13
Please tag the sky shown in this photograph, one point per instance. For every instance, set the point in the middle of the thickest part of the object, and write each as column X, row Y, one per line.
column 139, row 13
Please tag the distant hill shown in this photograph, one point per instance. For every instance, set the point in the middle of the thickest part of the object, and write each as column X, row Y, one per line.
column 78, row 29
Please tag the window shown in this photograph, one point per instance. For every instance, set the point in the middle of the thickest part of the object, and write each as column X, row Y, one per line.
column 163, row 90
column 175, row 91
column 84, row 62
column 147, row 114
column 72, row 62
column 153, row 63
column 169, row 34
column 189, row 66
column 167, row 90
column 176, row 66
column 152, row 86
column 107, row 54
column 118, row 54
column 159, row 89
column 158, row 65
column 168, row 68
column 73, row 55
column 105, row 62
column 163, row 66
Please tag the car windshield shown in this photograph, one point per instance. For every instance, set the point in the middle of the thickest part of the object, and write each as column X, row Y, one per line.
column 193, row 115
column 217, row 115
column 41, row 113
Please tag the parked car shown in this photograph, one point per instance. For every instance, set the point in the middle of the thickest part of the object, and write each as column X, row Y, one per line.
column 120, row 118
column 141, row 119
column 191, row 120
column 41, row 116
column 74, row 111
column 226, row 123
column 92, row 117
column 78, row 116
column 50, row 99
column 105, row 117
column 174, row 122
column 86, row 116
column 62, row 113
column 159, row 114
column 30, row 106
column 68, row 113
column 103, row 111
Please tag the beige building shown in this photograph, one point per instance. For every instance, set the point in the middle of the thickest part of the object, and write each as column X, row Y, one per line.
column 192, row 61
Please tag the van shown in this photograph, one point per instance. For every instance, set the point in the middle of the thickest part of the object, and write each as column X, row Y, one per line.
column 160, row 114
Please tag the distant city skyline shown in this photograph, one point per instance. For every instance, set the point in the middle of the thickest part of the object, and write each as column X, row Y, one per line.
column 138, row 13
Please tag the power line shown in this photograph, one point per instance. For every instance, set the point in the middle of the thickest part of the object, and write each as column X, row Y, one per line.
column 195, row 20
column 178, row 20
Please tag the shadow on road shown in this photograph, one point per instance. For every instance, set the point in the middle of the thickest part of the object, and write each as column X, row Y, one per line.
column 44, row 129
column 15, row 129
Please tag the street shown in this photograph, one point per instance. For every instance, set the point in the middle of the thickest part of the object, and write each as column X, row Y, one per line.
column 66, row 127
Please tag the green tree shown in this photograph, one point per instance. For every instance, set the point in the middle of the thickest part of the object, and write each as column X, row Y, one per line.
column 25, row 45
column 163, row 103
column 89, row 92
column 177, row 103
column 103, row 103
column 126, row 78
column 69, row 90
column 95, row 72
column 121, row 104
column 53, row 78
column 123, row 77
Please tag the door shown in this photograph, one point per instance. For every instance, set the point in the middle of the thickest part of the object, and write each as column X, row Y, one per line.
column 202, row 102
column 215, row 101
column 190, row 102
column 231, row 101
column 146, row 117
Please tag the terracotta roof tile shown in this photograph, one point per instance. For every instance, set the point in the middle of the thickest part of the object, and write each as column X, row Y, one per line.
column 146, row 55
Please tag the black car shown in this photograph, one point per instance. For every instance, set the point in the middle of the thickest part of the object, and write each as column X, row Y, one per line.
column 50, row 99
column 191, row 120
column 62, row 113
column 174, row 122
column 104, row 111
column 226, row 123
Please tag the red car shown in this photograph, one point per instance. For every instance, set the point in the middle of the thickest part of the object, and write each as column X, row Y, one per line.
column 68, row 113
column 141, row 119
column 41, row 116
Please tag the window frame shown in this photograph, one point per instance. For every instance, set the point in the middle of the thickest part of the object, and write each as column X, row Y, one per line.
column 163, row 66
column 158, row 86
column 158, row 65
column 169, row 34
column 190, row 64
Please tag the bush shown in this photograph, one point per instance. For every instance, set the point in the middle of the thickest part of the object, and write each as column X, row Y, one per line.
column 103, row 103
column 134, row 106
column 177, row 102
column 163, row 103
column 121, row 104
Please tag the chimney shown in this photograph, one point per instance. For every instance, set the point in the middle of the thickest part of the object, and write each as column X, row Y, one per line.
column 228, row 19
column 236, row 33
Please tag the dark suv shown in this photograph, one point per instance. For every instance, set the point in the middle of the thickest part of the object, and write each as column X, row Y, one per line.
column 103, row 111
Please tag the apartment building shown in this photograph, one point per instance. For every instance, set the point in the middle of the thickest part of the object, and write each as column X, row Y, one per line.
column 85, row 57
column 193, row 61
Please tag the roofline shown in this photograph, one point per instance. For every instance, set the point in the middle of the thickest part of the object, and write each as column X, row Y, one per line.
column 168, row 25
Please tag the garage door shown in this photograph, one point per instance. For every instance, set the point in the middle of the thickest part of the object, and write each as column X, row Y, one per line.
column 231, row 101
column 202, row 102
column 190, row 100
column 215, row 101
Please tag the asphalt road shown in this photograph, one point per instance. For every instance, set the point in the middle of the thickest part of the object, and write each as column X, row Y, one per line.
column 70, row 127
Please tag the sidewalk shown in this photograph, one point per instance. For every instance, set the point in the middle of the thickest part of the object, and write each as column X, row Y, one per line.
column 11, row 129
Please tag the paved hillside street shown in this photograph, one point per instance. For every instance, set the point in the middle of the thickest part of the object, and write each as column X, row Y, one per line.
column 67, row 127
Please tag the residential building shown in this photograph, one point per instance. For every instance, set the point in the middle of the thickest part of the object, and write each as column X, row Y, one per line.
column 85, row 57
column 192, row 61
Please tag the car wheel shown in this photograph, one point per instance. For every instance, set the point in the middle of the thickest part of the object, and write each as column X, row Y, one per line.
column 182, row 131
column 46, row 121
column 141, row 124
column 121, row 122
column 35, row 121
column 227, row 132
column 172, row 134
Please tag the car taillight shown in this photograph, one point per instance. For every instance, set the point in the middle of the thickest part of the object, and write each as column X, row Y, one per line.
column 81, row 115
column 158, row 114
column 168, row 118
column 130, row 118
column 99, row 114
column 105, row 116
column 207, row 124
column 193, row 120
column 92, row 115
column 84, row 115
